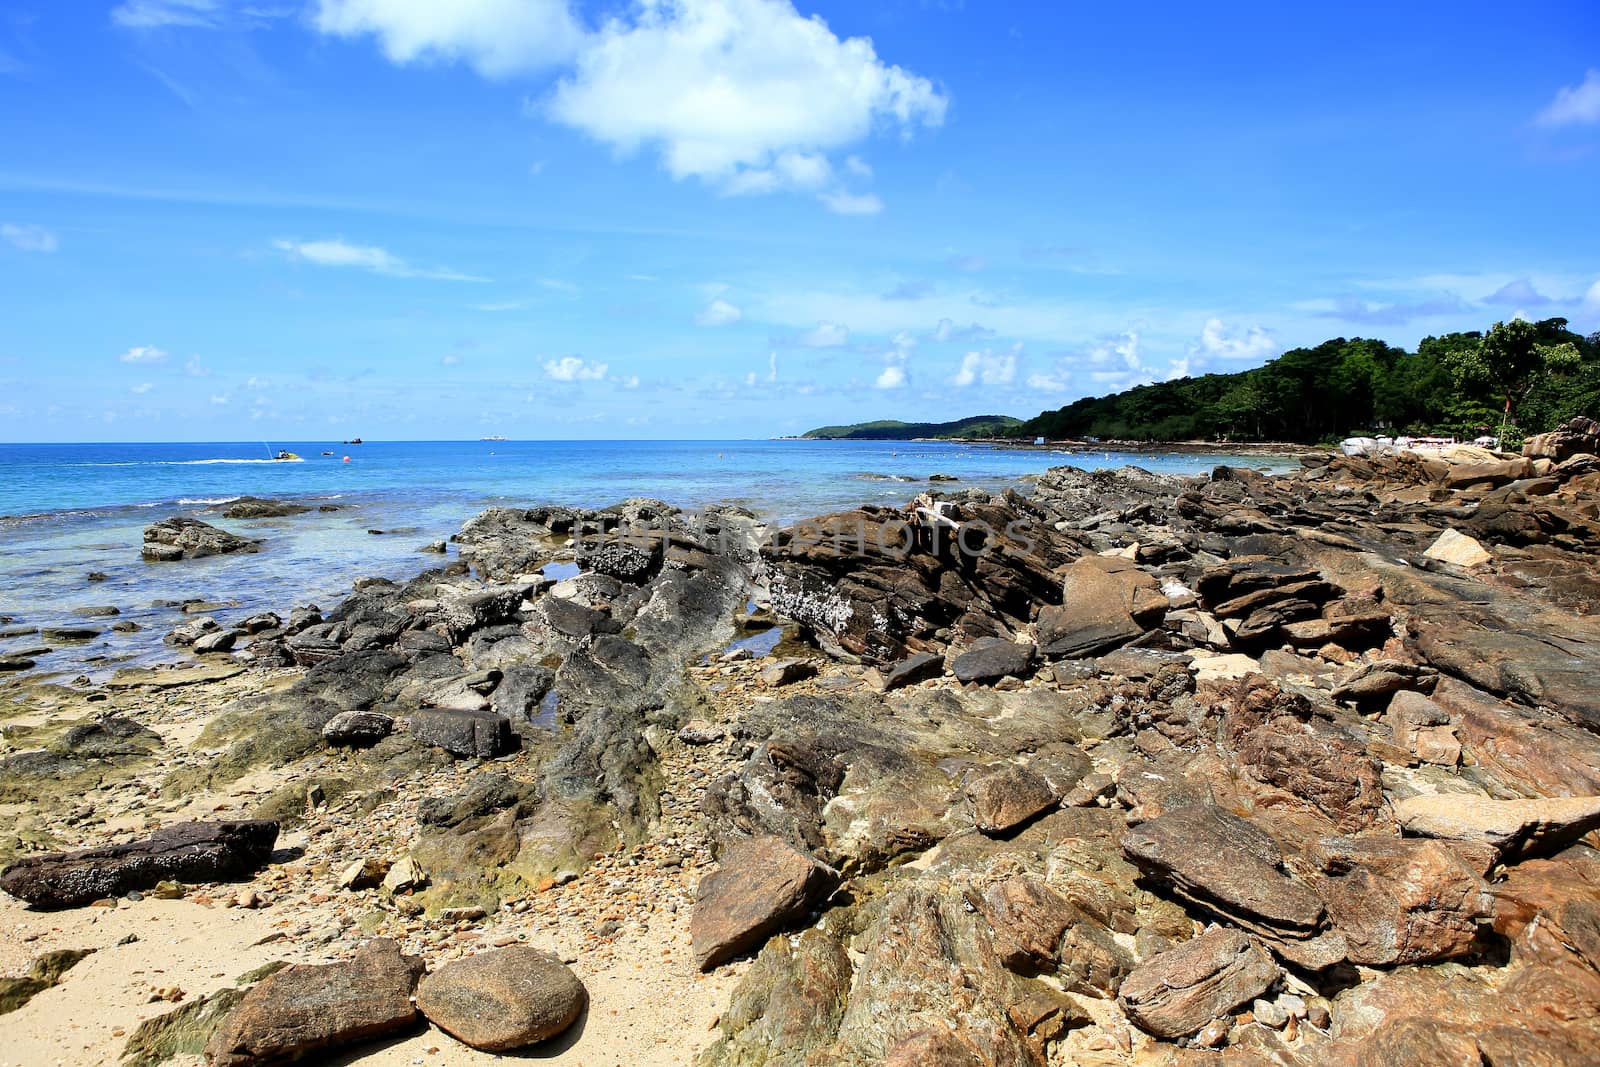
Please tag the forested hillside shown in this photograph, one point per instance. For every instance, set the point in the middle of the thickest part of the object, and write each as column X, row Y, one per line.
column 1458, row 383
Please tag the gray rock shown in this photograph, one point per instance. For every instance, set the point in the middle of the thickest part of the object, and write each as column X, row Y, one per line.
column 357, row 729
column 183, row 538
column 504, row 999
column 911, row 670
column 220, row 641
column 185, row 852
column 992, row 658
column 464, row 733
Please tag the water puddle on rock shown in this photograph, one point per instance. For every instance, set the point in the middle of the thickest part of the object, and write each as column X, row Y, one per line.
column 546, row 717
column 559, row 572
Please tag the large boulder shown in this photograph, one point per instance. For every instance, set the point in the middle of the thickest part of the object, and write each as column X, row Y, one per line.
column 483, row 734
column 185, row 852
column 1579, row 436
column 1100, row 599
column 1008, row 797
column 502, row 1000
column 1177, row 992
column 1220, row 861
column 184, row 538
column 991, row 659
column 761, row 886
column 304, row 1009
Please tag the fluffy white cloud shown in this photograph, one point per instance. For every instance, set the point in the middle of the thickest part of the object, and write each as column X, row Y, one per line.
column 825, row 335
column 143, row 354
column 987, row 368
column 725, row 86
column 841, row 202
column 893, row 377
column 149, row 14
column 573, row 369
column 790, row 170
column 497, row 37
column 719, row 313
column 1254, row 343
column 1574, row 104
column 336, row 252
column 1592, row 297
column 29, row 238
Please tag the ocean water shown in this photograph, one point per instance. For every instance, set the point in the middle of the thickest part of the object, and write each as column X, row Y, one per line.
column 68, row 510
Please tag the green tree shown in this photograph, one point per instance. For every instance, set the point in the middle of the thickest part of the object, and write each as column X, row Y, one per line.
column 1513, row 358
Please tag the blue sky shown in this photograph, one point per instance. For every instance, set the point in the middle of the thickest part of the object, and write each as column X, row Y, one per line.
column 308, row 219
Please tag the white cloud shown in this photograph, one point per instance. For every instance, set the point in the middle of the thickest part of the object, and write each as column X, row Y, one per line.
column 219, row 399
column 719, row 313
column 721, row 87
column 1592, row 297
column 1574, row 104
column 750, row 378
column 496, row 37
column 772, row 359
column 196, row 369
column 841, row 202
column 895, row 374
column 143, row 354
column 150, row 14
column 1047, row 383
column 141, row 388
column 825, row 335
column 29, row 238
column 893, row 377
column 987, row 368
column 336, row 252
column 858, row 166
column 1255, row 343
column 450, row 360
column 790, row 170
column 573, row 369
column 631, row 382
column 253, row 382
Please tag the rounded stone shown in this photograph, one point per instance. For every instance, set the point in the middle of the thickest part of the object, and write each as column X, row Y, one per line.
column 504, row 999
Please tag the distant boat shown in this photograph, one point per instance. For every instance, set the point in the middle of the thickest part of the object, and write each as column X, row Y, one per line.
column 494, row 437
column 327, row 453
column 353, row 441
column 286, row 457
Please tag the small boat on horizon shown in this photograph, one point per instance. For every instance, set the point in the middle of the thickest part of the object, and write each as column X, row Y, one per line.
column 494, row 437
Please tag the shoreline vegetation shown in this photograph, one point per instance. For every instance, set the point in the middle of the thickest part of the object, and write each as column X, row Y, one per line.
column 1517, row 379
column 1143, row 764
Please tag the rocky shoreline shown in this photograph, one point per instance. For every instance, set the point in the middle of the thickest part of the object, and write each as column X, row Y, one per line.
column 1116, row 768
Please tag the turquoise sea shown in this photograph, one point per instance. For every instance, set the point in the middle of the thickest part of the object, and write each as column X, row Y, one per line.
column 70, row 509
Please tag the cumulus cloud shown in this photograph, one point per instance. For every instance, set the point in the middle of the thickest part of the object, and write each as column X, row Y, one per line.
column 573, row 369
column 28, row 238
column 895, row 374
column 947, row 330
column 1218, row 342
column 1592, row 297
column 724, row 87
column 824, row 335
column 143, row 354
column 987, row 368
column 719, row 313
column 841, row 202
column 1574, row 104
column 336, row 252
column 497, row 38
column 1110, row 365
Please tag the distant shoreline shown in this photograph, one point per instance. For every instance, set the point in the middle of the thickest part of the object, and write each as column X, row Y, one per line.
column 1229, row 448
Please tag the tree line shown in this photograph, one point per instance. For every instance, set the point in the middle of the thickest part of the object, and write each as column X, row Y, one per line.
column 1522, row 377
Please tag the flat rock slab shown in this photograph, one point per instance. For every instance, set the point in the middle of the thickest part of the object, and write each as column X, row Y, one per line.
column 1005, row 799
column 911, row 670
column 762, row 885
column 144, row 678
column 357, row 729
column 1218, row 859
column 501, row 1000
column 1179, row 991
column 185, row 852
column 483, row 734
column 304, row 1008
column 1516, row 828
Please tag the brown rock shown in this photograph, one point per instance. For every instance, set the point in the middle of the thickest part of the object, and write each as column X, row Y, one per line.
column 504, row 999
column 1219, row 860
column 1181, row 990
column 1006, row 798
column 1396, row 901
column 762, row 885
column 303, row 1009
